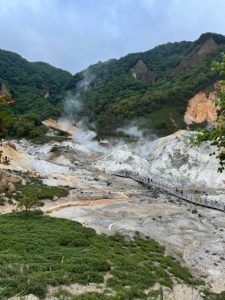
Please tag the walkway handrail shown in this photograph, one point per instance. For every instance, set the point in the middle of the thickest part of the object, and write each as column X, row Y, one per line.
column 197, row 200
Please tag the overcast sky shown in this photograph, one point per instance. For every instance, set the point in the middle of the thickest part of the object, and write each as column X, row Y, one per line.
column 72, row 34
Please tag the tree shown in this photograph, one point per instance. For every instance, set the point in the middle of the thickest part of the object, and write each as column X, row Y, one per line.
column 28, row 202
column 5, row 114
column 216, row 135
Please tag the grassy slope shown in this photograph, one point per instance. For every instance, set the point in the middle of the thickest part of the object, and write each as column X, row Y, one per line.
column 36, row 251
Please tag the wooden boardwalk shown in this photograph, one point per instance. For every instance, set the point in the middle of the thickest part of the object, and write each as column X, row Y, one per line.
column 191, row 198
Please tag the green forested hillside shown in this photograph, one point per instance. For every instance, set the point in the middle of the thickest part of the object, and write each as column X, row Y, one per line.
column 112, row 96
column 38, row 89
column 29, row 82
column 151, row 87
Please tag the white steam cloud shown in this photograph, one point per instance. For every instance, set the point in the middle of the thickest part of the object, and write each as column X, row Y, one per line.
column 84, row 84
column 133, row 131
column 72, row 106
column 73, row 102
column 85, row 141
column 143, row 146
column 84, row 138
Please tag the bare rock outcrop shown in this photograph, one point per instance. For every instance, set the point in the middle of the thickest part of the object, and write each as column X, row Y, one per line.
column 16, row 158
column 141, row 72
column 196, row 55
column 8, row 181
column 201, row 108
column 4, row 91
column 182, row 292
column 61, row 125
column 46, row 93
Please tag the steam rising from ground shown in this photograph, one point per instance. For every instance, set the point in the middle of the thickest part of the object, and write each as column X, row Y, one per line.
column 86, row 137
column 143, row 146
column 83, row 136
column 73, row 101
column 133, row 131
column 72, row 105
column 84, row 84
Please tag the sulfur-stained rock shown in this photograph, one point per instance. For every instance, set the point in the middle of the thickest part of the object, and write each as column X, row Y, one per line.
column 201, row 109
column 61, row 125
column 12, row 145
column 8, row 181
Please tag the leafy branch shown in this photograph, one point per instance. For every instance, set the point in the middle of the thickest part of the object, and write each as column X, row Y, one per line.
column 216, row 134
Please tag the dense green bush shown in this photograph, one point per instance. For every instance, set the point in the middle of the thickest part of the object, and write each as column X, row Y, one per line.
column 40, row 191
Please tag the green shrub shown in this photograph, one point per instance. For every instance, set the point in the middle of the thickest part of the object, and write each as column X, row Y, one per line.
column 37, row 251
column 40, row 191
column 74, row 242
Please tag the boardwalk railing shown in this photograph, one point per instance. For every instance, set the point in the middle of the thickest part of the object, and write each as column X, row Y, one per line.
column 192, row 198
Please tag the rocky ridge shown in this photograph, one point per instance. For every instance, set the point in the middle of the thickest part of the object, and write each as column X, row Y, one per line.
column 141, row 72
column 196, row 55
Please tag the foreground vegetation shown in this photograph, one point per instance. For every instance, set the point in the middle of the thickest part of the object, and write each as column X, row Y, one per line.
column 37, row 251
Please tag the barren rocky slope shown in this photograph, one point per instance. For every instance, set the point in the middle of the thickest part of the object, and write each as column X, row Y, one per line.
column 170, row 159
column 110, row 204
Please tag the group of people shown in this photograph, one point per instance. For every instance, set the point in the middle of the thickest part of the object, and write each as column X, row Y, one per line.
column 201, row 200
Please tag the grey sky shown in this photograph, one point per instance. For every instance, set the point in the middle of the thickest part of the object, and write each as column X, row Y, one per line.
column 73, row 34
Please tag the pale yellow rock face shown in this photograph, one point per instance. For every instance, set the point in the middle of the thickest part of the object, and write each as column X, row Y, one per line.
column 61, row 125
column 201, row 109
column 18, row 159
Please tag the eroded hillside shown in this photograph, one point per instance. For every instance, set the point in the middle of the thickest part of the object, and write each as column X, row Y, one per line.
column 74, row 180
